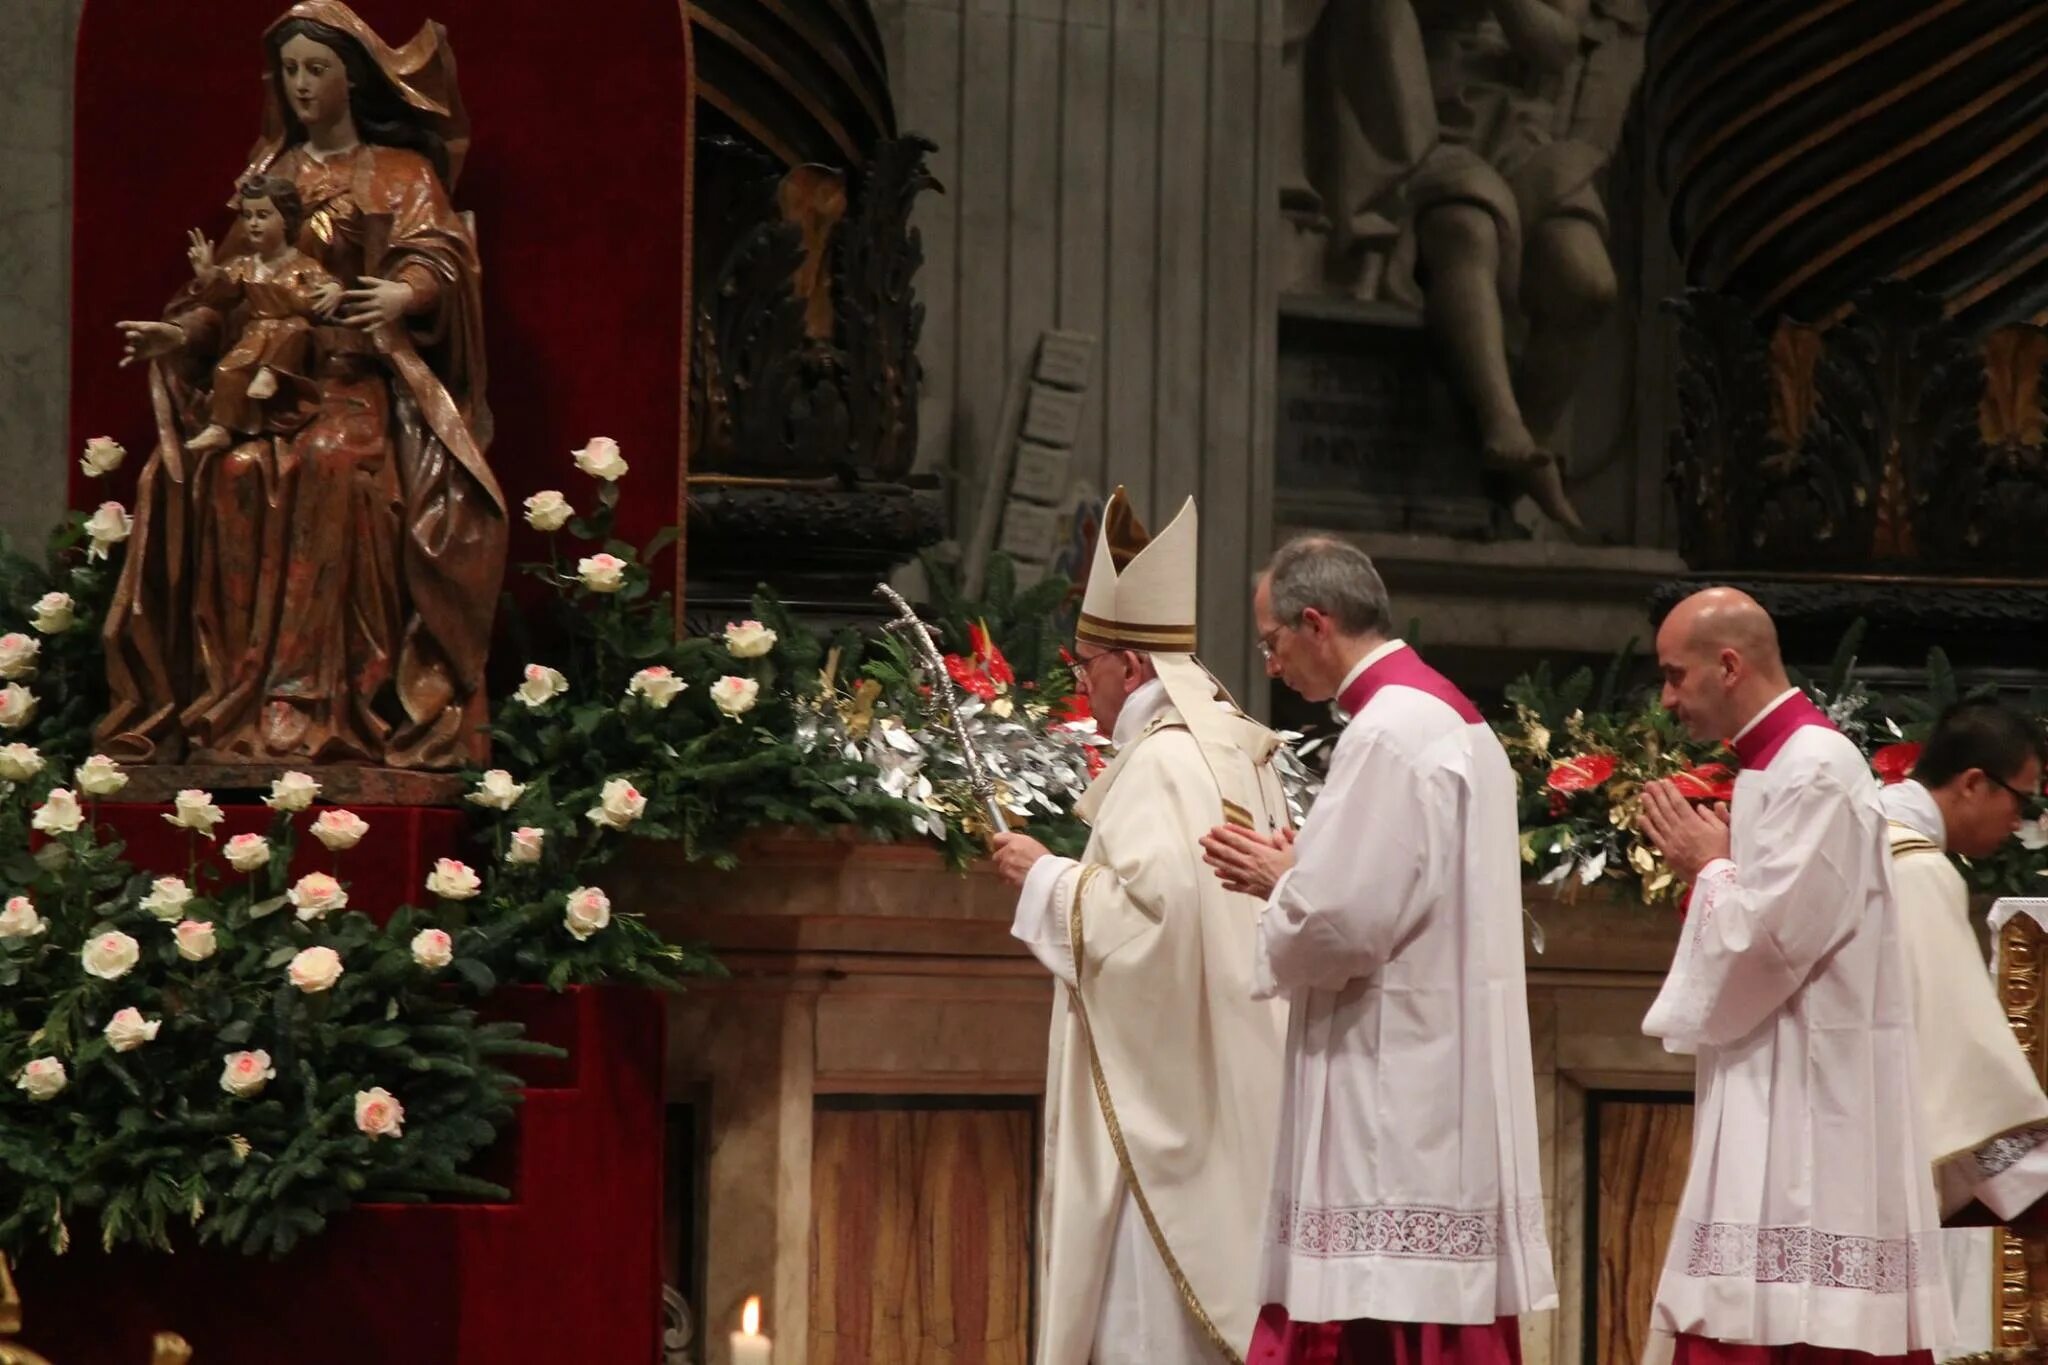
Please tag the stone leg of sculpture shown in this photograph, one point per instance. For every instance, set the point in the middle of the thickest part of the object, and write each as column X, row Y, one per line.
column 1568, row 288
column 1460, row 249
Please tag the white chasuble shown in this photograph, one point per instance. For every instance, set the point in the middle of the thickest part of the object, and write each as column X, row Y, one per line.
column 1406, row 1182
column 1808, row 1214
column 1163, row 1078
column 1987, row 1118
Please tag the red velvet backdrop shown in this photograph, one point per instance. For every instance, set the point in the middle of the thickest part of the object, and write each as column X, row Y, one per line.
column 578, row 174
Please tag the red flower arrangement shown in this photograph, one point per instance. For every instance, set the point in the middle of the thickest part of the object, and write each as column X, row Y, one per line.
column 1894, row 762
column 1707, row 782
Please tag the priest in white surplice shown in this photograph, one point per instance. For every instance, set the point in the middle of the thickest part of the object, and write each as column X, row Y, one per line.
column 1407, row 1222
column 1162, row 1088
column 1808, row 1218
column 1987, row 1117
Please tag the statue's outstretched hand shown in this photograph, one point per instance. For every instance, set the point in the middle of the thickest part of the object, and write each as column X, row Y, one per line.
column 199, row 251
column 327, row 296
column 148, row 340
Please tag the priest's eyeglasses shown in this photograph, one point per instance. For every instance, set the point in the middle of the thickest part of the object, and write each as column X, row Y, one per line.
column 2027, row 801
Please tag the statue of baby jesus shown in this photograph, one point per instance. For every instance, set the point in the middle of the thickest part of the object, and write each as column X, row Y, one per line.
column 273, row 295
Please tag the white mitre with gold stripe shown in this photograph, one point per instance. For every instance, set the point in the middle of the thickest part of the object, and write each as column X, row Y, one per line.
column 1141, row 588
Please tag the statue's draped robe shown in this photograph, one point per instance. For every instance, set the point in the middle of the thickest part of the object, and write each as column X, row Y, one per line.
column 1163, row 1082
column 1808, row 1217
column 324, row 595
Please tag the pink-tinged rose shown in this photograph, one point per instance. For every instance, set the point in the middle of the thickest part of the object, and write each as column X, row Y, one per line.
column 54, row 613
column 110, row 956
column 453, row 880
column 548, row 510
column 196, row 940
column 107, row 527
column 103, row 455
column 658, row 685
column 748, row 639
column 734, row 695
column 526, row 845
column 292, row 792
column 316, row 896
column 433, row 949
column 618, row 805
column 19, row 762
column 315, row 970
column 19, row 919
column 60, row 813
column 602, row 573
column 247, row 852
column 340, row 830
column 43, row 1079
column 541, row 686
column 18, row 654
column 379, row 1114
column 194, row 810
column 496, row 790
column 244, row 1074
column 100, row 776
column 601, row 459
column 17, row 706
column 588, row 910
column 128, row 1030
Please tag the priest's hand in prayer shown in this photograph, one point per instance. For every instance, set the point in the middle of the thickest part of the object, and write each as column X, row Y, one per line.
column 1247, row 862
column 1688, row 836
column 1015, row 853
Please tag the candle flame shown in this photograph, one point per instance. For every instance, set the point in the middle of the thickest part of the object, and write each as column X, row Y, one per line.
column 750, row 1317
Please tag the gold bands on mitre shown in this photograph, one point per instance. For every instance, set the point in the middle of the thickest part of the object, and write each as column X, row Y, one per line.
column 1095, row 630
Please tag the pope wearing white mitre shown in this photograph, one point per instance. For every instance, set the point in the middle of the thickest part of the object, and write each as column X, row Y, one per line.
column 1808, row 1218
column 1163, row 1084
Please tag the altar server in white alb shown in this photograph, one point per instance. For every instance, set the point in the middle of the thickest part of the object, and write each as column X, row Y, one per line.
column 1808, row 1218
column 1162, row 1087
column 1406, row 1222
column 1987, row 1119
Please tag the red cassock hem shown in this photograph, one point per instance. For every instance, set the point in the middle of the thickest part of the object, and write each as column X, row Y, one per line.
column 1278, row 1340
column 1692, row 1350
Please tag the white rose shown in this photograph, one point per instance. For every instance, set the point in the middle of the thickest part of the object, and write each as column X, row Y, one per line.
column 658, row 685
column 247, row 852
column 588, row 911
column 542, row 685
column 453, row 880
column 19, row 762
column 292, row 792
column 53, row 614
column 17, row 706
column 194, row 810
column 526, row 845
column 108, row 527
column 103, row 455
column 20, row 920
column 316, row 895
column 497, row 791
column 43, row 1078
column 18, row 654
column 433, row 949
column 379, row 1114
column 619, row 804
column 243, row 1074
column 601, row 460
column 59, row 814
column 110, row 956
column 128, row 1030
column 167, row 898
column 548, row 510
column 602, row 573
column 735, row 696
column 748, row 639
column 100, row 776
column 315, row 970
column 340, row 830
column 196, row 940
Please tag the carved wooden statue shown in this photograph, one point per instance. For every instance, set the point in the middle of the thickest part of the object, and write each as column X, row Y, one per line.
column 168, row 1348
column 318, row 541
column 1479, row 130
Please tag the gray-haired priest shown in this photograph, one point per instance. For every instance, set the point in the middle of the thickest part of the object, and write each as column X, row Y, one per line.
column 1163, row 1085
column 1407, row 1200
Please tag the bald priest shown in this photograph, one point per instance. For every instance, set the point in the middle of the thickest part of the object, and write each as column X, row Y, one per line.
column 1163, row 1083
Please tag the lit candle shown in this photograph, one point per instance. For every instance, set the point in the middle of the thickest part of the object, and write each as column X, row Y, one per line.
column 749, row 1347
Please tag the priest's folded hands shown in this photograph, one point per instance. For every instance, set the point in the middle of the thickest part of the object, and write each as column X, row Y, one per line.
column 1688, row 836
column 1248, row 862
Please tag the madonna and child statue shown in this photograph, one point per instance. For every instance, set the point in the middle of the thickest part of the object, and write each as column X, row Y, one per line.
column 318, row 543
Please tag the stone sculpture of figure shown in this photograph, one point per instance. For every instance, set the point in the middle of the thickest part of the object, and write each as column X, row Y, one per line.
column 1484, row 126
column 320, row 589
